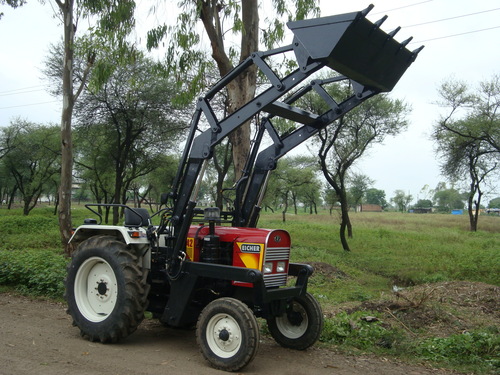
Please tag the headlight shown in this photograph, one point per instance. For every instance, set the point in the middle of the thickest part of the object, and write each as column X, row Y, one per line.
column 268, row 267
column 281, row 267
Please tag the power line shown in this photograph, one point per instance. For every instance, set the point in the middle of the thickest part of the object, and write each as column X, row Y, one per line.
column 459, row 34
column 403, row 7
column 452, row 18
column 24, row 88
column 21, row 92
column 28, row 105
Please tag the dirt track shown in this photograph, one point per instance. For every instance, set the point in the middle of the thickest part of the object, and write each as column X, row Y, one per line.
column 37, row 338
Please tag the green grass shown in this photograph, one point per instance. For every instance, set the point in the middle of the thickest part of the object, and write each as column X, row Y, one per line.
column 396, row 249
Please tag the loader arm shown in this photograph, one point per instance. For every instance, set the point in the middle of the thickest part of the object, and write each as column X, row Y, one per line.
column 349, row 44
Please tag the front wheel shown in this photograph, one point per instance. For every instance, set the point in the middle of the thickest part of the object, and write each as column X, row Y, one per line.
column 300, row 326
column 228, row 334
column 106, row 289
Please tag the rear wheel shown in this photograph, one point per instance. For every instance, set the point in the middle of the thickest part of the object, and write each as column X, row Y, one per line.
column 228, row 334
column 300, row 326
column 106, row 290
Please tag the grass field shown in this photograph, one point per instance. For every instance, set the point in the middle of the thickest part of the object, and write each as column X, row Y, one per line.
column 390, row 249
column 449, row 279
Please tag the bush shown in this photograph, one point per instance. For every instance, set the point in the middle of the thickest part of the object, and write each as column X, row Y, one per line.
column 361, row 330
column 35, row 272
column 475, row 348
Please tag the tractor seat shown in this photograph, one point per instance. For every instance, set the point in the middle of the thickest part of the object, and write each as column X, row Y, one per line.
column 137, row 217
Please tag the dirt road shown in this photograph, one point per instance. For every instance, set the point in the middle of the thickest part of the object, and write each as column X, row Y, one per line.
column 36, row 337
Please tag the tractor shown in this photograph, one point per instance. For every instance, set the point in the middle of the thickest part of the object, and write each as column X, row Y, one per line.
column 210, row 268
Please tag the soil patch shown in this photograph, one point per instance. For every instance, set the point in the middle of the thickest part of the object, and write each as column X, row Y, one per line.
column 439, row 309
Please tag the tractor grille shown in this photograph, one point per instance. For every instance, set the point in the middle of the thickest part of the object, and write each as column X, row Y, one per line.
column 276, row 254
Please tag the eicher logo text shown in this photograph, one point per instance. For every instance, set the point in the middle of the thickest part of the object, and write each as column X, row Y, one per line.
column 250, row 248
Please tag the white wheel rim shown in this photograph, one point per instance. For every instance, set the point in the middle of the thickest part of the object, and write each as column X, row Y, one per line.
column 290, row 330
column 95, row 289
column 223, row 335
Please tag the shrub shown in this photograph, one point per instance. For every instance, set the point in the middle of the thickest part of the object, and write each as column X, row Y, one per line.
column 476, row 348
column 35, row 272
column 361, row 330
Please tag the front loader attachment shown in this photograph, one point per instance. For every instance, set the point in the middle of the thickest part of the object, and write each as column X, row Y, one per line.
column 355, row 47
column 350, row 45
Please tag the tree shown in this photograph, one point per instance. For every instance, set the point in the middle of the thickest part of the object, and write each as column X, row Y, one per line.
column 291, row 179
column 468, row 138
column 219, row 19
column 479, row 107
column 32, row 160
column 401, row 200
column 134, row 121
column 113, row 19
column 424, row 203
column 341, row 145
column 376, row 196
column 448, row 199
column 309, row 194
column 467, row 157
column 358, row 187
column 494, row 203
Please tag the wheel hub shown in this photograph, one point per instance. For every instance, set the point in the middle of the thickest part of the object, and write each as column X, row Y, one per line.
column 295, row 318
column 224, row 335
column 102, row 288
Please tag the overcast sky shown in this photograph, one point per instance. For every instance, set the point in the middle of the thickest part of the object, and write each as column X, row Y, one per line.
column 461, row 39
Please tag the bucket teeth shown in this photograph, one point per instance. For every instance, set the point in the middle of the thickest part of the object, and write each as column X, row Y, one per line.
column 353, row 46
column 379, row 23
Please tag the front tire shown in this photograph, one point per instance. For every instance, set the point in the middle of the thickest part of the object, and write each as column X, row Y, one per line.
column 227, row 334
column 300, row 326
column 106, row 289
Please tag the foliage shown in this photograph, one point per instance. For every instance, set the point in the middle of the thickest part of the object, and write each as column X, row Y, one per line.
column 401, row 200
column 366, row 331
column 361, row 330
column 12, row 3
column 342, row 144
column 294, row 181
column 223, row 21
column 133, row 122
column 109, row 22
column 358, row 187
column 376, row 196
column 476, row 109
column 468, row 138
column 30, row 160
column 424, row 203
column 494, row 203
column 36, row 272
column 476, row 348
column 448, row 199
column 188, row 60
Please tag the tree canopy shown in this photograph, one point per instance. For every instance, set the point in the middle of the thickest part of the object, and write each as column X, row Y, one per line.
column 468, row 138
column 32, row 160
column 224, row 22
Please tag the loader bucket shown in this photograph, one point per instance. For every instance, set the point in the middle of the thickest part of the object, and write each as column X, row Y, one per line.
column 355, row 47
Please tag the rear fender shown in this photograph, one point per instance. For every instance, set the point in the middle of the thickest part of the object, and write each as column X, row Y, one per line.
column 134, row 237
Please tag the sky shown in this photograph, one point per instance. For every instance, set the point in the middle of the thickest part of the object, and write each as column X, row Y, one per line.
column 461, row 39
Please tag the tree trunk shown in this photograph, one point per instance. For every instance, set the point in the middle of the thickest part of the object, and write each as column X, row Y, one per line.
column 65, row 225
column 343, row 239
column 345, row 222
column 26, row 205
column 242, row 89
column 11, row 198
